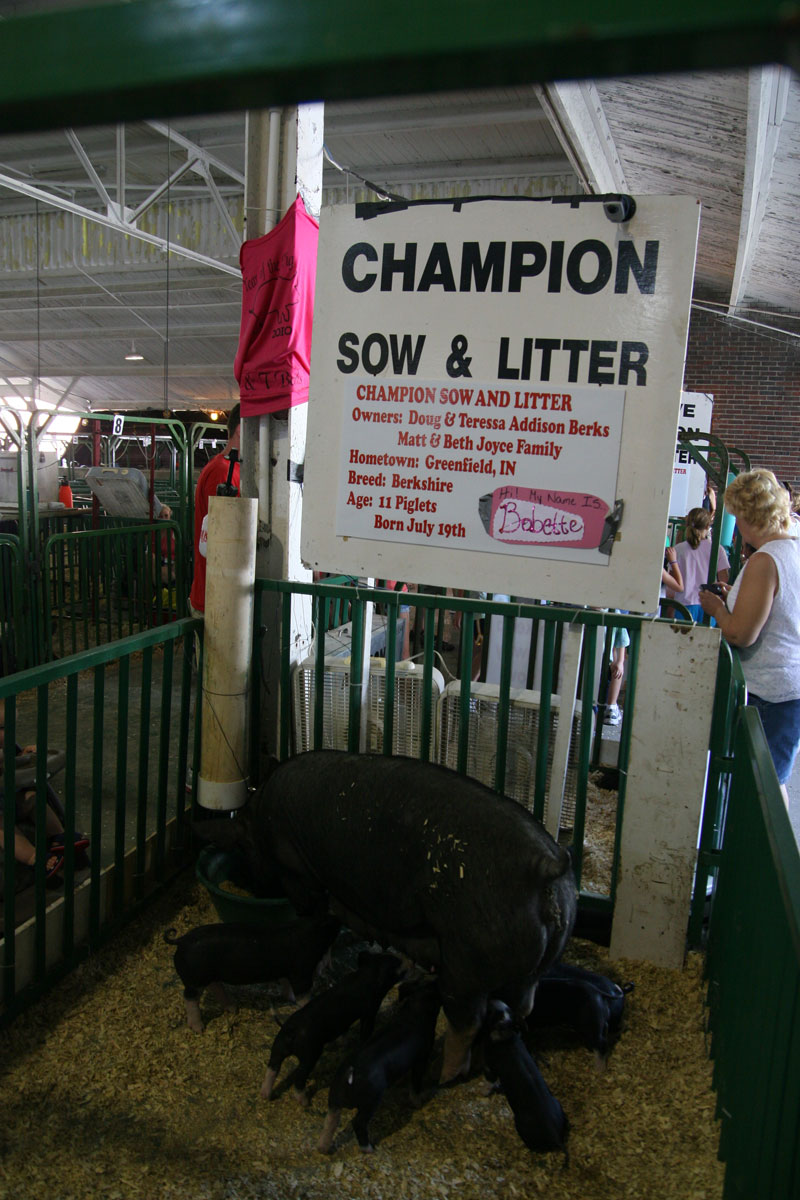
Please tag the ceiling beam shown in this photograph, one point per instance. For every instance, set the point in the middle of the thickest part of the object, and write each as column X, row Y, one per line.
column 110, row 222
column 98, row 334
column 88, row 167
column 129, row 285
column 409, row 120
column 50, row 373
column 768, row 91
column 195, row 151
column 446, row 170
column 576, row 114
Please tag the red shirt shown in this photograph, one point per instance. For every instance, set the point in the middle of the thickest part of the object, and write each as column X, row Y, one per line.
column 213, row 473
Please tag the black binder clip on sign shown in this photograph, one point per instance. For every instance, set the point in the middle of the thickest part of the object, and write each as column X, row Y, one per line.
column 228, row 488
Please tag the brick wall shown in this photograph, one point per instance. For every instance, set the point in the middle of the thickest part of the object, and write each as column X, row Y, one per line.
column 754, row 377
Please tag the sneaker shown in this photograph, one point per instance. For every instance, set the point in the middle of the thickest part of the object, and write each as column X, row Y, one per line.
column 613, row 715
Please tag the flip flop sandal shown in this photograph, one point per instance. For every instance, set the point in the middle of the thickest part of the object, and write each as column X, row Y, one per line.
column 80, row 841
column 55, row 862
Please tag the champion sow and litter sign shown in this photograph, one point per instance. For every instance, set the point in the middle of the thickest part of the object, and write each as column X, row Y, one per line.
column 495, row 388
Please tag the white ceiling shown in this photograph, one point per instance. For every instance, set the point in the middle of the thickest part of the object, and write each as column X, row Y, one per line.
column 80, row 281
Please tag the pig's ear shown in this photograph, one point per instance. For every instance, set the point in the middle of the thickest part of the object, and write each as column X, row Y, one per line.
column 227, row 833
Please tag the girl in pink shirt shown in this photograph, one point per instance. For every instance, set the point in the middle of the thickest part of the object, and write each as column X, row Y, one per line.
column 693, row 556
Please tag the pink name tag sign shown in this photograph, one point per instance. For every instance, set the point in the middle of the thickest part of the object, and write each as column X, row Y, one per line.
column 523, row 516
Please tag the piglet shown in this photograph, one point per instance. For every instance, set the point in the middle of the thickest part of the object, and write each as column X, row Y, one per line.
column 213, row 955
column 304, row 1034
column 588, row 1003
column 403, row 1045
column 538, row 1117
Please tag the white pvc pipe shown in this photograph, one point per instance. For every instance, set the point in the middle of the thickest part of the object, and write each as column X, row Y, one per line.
column 273, row 166
column 227, row 651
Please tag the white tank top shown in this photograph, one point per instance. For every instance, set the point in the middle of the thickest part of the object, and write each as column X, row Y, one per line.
column 771, row 665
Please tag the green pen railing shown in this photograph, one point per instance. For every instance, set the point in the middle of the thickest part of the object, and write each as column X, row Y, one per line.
column 104, row 584
column 127, row 716
column 746, row 901
column 14, row 642
column 730, row 695
column 753, row 970
column 716, row 459
column 306, row 719
column 75, row 577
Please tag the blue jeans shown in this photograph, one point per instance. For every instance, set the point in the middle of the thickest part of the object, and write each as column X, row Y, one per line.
column 781, row 723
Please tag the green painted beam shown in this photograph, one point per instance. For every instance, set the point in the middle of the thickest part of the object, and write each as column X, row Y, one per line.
column 161, row 58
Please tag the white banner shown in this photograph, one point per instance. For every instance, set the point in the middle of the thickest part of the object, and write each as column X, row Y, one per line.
column 688, row 477
column 494, row 395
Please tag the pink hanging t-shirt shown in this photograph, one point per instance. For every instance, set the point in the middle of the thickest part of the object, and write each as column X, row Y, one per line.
column 278, row 275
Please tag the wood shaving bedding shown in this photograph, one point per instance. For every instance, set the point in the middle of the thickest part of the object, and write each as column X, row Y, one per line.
column 105, row 1091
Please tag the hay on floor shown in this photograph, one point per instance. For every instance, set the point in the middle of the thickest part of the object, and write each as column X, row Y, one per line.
column 106, row 1092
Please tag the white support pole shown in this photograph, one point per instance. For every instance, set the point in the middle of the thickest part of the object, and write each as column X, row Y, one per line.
column 300, row 171
column 675, row 682
column 284, row 157
column 227, row 652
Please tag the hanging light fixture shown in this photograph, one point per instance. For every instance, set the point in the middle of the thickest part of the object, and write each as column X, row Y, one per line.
column 133, row 356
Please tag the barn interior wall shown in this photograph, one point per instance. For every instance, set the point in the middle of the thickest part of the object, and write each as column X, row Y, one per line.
column 754, row 377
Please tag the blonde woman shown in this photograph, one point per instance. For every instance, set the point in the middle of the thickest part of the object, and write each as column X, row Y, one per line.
column 693, row 556
column 761, row 614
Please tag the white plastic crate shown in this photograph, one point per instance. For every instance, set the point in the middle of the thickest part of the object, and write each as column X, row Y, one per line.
column 407, row 706
column 523, row 740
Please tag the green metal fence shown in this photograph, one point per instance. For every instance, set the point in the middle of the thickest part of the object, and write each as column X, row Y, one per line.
column 753, row 969
column 475, row 727
column 748, row 870
column 319, row 706
column 72, row 578
column 12, row 625
column 162, row 440
column 131, row 707
column 126, row 716
column 730, row 695
column 104, row 584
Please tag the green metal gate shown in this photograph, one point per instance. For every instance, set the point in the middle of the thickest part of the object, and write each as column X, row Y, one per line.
column 127, row 716
column 753, row 969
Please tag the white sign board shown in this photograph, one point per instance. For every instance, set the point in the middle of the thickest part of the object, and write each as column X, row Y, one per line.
column 688, row 477
column 494, row 395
